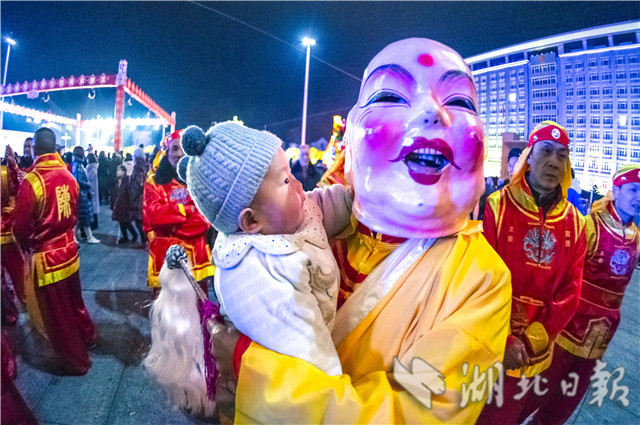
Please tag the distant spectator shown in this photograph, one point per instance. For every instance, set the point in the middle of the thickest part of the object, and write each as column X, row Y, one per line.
column 68, row 160
column 307, row 173
column 92, row 175
column 116, row 160
column 514, row 155
column 85, row 207
column 136, row 190
column 573, row 194
column 128, row 163
column 26, row 160
column 103, row 178
column 120, row 205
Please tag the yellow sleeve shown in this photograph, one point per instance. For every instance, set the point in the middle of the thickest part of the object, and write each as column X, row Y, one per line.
column 273, row 388
column 592, row 237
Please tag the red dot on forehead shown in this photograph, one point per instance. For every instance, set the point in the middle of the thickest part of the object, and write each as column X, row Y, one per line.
column 425, row 59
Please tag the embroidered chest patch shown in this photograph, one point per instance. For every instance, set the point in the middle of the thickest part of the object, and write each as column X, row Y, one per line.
column 539, row 246
column 180, row 194
column 619, row 262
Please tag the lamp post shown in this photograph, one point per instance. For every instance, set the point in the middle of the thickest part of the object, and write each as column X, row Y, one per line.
column 308, row 42
column 10, row 42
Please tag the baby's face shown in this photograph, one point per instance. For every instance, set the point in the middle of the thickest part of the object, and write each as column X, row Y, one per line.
column 278, row 204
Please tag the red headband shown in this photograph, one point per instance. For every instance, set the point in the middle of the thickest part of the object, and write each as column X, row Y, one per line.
column 170, row 138
column 631, row 176
column 552, row 133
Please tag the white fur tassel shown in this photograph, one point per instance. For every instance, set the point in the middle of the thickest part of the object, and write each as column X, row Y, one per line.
column 175, row 359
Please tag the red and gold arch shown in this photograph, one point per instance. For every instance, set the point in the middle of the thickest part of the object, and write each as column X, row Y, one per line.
column 119, row 81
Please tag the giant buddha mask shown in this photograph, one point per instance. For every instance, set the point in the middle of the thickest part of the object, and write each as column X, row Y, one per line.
column 415, row 142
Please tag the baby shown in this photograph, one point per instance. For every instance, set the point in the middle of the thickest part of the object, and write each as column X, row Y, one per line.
column 276, row 278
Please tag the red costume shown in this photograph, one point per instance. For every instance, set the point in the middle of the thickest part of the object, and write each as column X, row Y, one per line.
column 169, row 216
column 12, row 258
column 545, row 254
column 612, row 253
column 14, row 409
column 45, row 216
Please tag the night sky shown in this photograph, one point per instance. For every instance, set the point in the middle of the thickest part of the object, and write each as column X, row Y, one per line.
column 207, row 67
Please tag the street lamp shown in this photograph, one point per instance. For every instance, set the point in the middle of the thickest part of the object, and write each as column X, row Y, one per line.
column 10, row 42
column 307, row 42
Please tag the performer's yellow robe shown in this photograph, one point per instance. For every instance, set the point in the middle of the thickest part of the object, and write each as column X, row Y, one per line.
column 451, row 306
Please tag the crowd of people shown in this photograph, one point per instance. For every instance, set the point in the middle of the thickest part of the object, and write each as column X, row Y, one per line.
column 357, row 304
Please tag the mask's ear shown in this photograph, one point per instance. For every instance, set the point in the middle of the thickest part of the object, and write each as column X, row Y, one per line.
column 248, row 221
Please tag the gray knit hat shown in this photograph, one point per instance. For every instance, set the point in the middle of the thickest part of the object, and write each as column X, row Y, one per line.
column 225, row 168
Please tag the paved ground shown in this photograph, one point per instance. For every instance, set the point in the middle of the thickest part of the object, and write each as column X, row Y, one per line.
column 117, row 391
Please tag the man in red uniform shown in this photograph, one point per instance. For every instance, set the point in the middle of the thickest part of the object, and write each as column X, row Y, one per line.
column 46, row 212
column 169, row 216
column 12, row 258
column 613, row 244
column 541, row 238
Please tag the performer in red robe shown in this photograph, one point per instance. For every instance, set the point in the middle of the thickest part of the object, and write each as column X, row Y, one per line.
column 613, row 243
column 541, row 238
column 45, row 216
column 12, row 258
column 169, row 216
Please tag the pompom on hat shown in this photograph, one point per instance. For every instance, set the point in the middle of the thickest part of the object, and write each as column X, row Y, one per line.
column 225, row 168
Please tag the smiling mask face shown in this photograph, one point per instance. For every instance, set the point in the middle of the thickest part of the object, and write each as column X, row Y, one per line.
column 415, row 143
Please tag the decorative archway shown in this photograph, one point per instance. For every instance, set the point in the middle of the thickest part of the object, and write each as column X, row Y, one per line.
column 119, row 81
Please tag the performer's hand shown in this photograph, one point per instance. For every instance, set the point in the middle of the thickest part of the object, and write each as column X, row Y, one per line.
column 515, row 356
column 223, row 343
column 9, row 156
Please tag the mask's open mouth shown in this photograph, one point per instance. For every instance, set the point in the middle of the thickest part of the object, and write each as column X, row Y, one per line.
column 426, row 159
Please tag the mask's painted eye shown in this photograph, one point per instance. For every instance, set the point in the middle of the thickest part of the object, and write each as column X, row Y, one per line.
column 386, row 97
column 461, row 102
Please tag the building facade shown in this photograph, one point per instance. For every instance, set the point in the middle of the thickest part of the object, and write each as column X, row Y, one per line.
column 587, row 81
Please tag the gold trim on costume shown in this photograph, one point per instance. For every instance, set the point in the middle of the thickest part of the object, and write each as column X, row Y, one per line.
column 46, row 278
column 593, row 345
column 7, row 238
column 37, row 184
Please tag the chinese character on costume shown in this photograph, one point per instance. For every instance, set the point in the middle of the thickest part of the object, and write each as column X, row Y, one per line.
column 44, row 221
column 170, row 217
column 612, row 254
column 541, row 238
column 423, row 291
